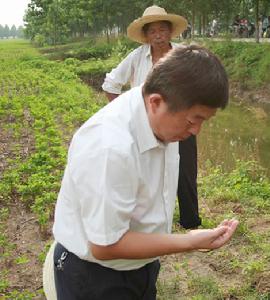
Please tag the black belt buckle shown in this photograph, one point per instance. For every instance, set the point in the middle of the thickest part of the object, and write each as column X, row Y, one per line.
column 61, row 261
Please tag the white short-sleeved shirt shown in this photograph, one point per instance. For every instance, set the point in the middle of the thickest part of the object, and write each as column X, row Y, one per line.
column 119, row 177
column 134, row 69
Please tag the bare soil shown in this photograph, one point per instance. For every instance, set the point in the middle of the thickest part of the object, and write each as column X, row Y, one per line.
column 254, row 96
column 25, row 241
column 23, row 231
column 24, row 234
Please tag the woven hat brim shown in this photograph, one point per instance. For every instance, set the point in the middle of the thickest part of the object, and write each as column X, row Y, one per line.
column 135, row 33
column 48, row 275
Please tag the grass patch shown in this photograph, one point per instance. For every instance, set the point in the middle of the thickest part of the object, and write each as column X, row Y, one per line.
column 246, row 63
column 43, row 102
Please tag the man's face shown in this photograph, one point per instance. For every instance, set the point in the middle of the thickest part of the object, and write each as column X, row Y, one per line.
column 177, row 126
column 158, row 34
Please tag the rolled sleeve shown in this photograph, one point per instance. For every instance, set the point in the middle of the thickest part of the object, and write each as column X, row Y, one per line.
column 119, row 76
column 107, row 192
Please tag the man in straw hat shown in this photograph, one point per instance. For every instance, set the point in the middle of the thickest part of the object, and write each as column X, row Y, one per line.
column 115, row 208
column 154, row 30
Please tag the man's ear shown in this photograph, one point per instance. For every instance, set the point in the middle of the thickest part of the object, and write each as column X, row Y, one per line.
column 155, row 100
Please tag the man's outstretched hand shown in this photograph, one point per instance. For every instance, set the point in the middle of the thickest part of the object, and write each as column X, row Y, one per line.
column 213, row 238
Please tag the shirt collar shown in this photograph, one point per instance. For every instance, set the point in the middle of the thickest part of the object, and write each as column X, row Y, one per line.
column 148, row 49
column 144, row 133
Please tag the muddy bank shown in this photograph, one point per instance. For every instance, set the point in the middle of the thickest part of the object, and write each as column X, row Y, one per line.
column 253, row 96
column 237, row 90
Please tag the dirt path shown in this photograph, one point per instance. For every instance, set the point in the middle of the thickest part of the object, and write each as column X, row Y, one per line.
column 24, row 263
column 26, row 251
column 22, row 245
column 248, row 40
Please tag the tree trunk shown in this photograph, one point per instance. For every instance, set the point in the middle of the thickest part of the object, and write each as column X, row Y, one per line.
column 193, row 21
column 257, row 31
column 107, row 27
column 200, row 25
column 203, row 23
column 107, row 35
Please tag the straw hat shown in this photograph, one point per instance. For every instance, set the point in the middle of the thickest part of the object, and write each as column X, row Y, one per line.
column 48, row 275
column 154, row 14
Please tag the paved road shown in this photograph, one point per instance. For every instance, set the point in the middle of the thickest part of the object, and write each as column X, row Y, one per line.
column 250, row 40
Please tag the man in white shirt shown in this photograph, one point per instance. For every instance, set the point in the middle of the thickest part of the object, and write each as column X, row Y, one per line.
column 114, row 211
column 154, row 30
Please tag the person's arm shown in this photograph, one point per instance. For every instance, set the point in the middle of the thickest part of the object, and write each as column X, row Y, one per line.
column 136, row 245
column 119, row 76
column 111, row 96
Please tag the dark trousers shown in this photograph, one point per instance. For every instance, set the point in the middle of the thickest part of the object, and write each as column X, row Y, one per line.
column 77, row 279
column 187, row 184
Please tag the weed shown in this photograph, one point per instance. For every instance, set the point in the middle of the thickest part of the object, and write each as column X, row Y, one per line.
column 21, row 260
column 204, row 288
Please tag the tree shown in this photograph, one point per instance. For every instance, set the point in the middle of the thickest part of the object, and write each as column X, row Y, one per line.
column 46, row 18
column 20, row 32
column 60, row 20
column 55, row 27
column 256, row 10
column 36, row 17
column 6, row 31
column 1, row 32
column 13, row 31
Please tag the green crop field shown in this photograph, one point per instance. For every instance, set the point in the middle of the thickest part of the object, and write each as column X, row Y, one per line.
column 42, row 103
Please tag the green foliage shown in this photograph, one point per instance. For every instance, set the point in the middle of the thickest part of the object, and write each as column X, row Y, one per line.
column 39, row 40
column 98, row 65
column 8, row 32
column 42, row 104
column 204, row 288
column 4, row 213
column 123, row 46
column 42, row 255
column 247, row 183
column 254, row 267
column 248, row 63
column 120, row 47
column 72, row 62
column 45, row 101
column 19, row 295
column 62, row 20
column 3, row 285
column 98, row 52
column 21, row 260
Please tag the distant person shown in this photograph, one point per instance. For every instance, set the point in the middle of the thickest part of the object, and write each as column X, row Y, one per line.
column 260, row 27
column 154, row 31
column 114, row 211
column 186, row 34
column 236, row 25
column 236, row 20
column 267, row 31
column 264, row 25
column 251, row 28
column 214, row 27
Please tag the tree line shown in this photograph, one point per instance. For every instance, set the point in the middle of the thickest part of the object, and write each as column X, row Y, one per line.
column 58, row 21
column 11, row 32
